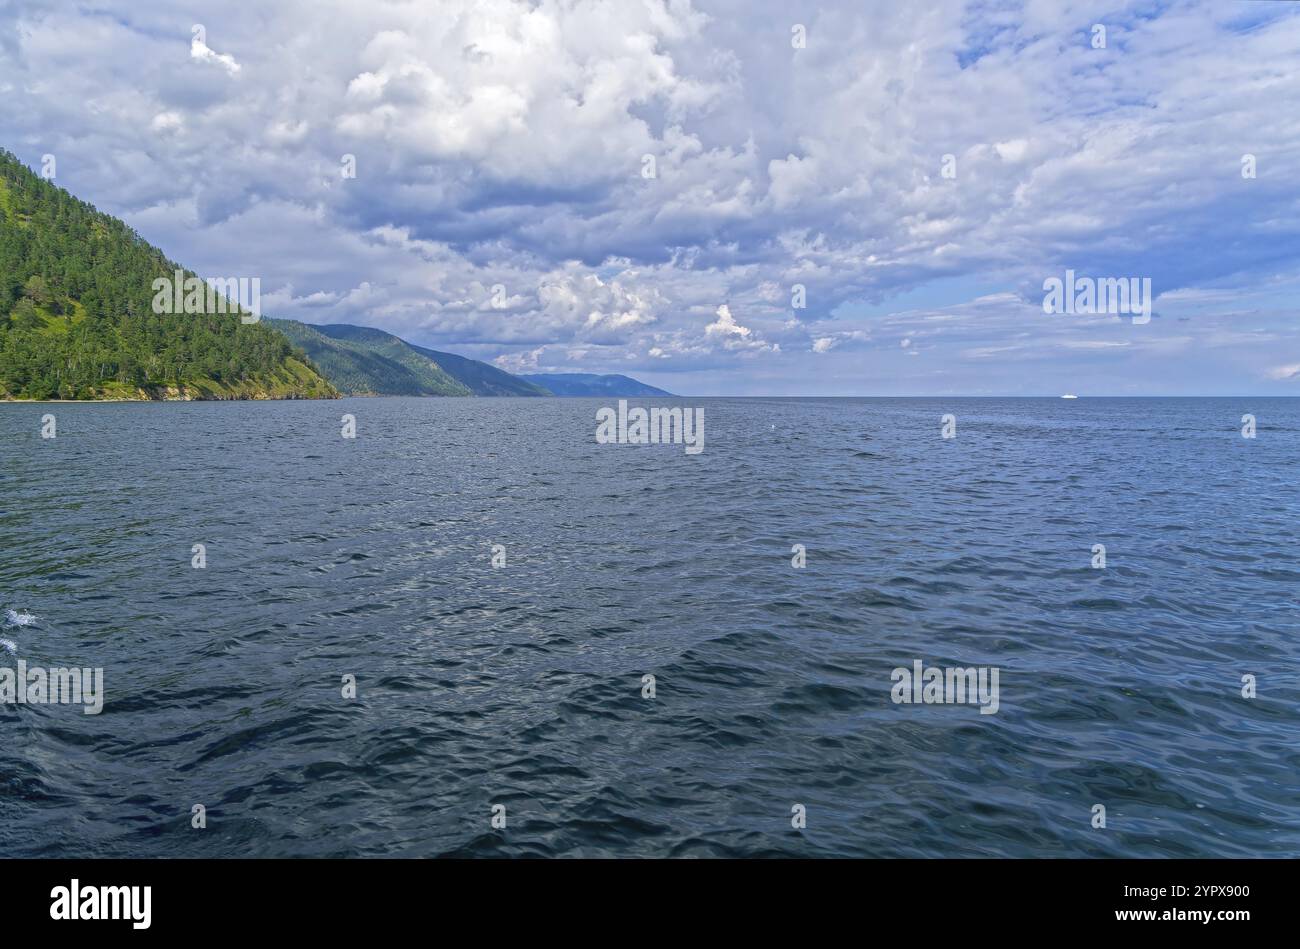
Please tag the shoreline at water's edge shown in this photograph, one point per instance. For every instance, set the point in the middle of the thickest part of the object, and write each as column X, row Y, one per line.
column 813, row 398
column 246, row 398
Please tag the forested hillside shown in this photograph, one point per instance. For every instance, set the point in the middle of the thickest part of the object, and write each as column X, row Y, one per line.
column 77, row 322
column 361, row 360
column 481, row 378
column 358, row 360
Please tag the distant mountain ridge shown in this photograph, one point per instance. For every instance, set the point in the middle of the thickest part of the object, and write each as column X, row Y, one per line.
column 574, row 384
column 361, row 360
column 364, row 361
column 482, row 378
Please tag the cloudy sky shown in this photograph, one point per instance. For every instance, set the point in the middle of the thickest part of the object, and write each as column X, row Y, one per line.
column 639, row 186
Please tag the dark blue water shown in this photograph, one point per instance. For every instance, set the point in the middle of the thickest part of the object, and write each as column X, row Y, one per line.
column 522, row 686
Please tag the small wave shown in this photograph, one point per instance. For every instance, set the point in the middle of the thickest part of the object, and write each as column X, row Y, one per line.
column 9, row 646
column 18, row 619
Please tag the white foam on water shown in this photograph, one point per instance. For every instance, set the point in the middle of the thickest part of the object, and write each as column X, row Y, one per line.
column 18, row 619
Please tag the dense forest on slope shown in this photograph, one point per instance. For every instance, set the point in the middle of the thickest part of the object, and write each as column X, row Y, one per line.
column 360, row 360
column 481, row 378
column 77, row 321
column 364, row 361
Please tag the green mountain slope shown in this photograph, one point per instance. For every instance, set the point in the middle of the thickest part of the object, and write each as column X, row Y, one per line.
column 480, row 377
column 360, row 360
column 77, row 319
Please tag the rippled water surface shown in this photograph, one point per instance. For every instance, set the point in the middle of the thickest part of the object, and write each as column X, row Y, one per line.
column 522, row 686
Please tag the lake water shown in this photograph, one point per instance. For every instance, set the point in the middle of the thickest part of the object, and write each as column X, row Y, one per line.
column 523, row 686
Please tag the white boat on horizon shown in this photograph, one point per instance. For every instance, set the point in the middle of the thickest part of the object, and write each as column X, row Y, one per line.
column 1069, row 395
